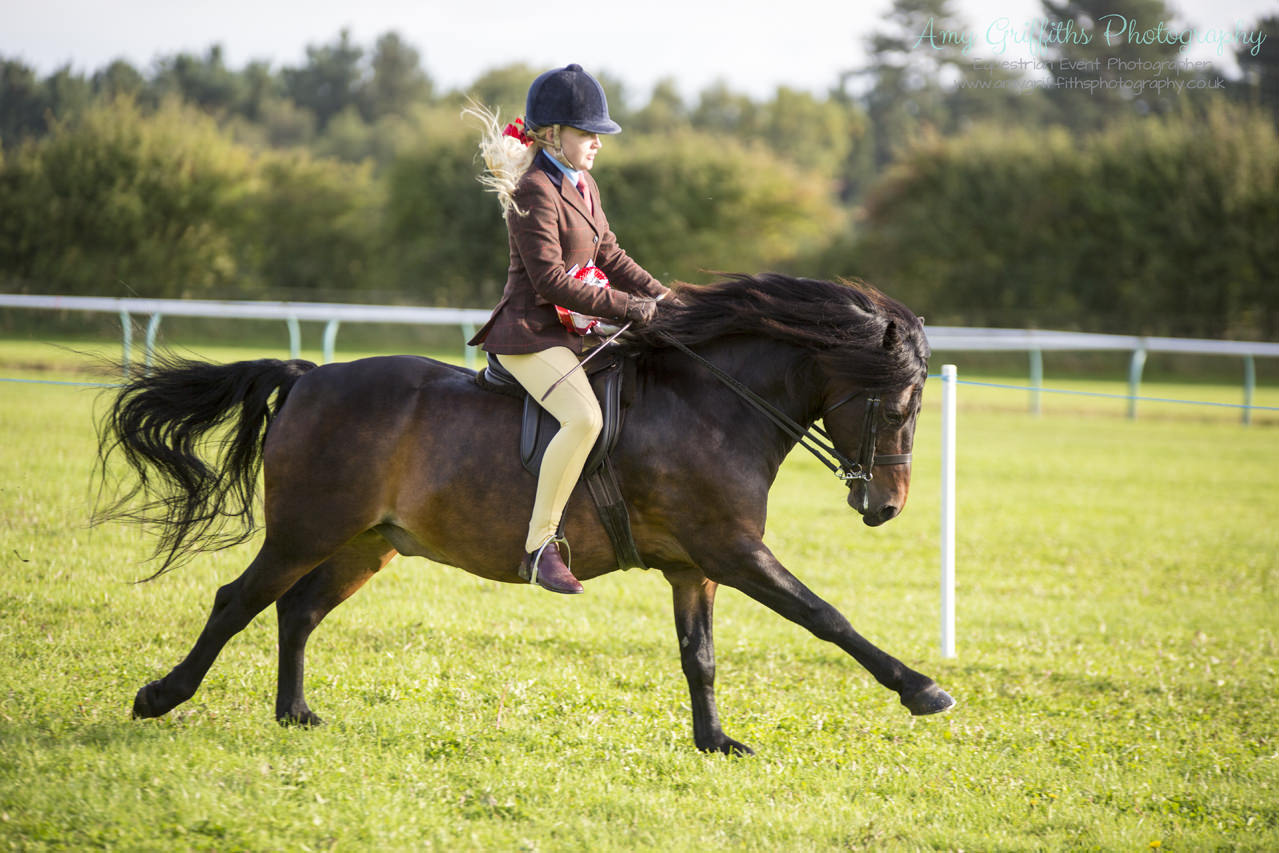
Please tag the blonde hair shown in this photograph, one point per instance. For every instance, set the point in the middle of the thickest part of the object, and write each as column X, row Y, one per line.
column 506, row 158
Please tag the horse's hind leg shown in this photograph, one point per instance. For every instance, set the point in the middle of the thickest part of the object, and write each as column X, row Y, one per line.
column 272, row 572
column 306, row 603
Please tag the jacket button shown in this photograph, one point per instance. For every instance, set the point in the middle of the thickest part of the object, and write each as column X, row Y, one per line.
column 595, row 239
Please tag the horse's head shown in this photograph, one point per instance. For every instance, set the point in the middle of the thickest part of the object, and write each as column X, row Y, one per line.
column 859, row 361
column 877, row 431
column 875, row 427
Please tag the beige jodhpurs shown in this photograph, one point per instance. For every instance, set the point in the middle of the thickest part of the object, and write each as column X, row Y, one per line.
column 574, row 405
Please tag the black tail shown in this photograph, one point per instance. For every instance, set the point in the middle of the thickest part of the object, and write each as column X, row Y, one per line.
column 164, row 422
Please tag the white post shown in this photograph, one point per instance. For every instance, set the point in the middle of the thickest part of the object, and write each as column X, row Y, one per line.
column 948, row 510
column 330, row 339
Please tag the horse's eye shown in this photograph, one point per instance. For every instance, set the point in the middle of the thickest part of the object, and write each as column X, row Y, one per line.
column 894, row 419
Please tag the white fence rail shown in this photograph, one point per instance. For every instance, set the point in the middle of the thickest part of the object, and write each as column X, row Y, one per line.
column 1034, row 342
column 292, row 313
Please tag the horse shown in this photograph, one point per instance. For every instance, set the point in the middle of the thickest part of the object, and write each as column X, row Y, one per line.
column 364, row 460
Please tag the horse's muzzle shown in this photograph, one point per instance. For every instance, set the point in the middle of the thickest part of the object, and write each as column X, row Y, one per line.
column 859, row 499
column 884, row 513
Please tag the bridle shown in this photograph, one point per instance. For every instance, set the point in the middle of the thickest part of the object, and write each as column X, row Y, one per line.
column 867, row 459
column 813, row 438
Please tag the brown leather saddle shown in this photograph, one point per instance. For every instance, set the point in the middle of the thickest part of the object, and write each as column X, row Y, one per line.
column 613, row 377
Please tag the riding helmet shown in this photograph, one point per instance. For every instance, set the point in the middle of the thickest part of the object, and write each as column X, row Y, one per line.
column 569, row 96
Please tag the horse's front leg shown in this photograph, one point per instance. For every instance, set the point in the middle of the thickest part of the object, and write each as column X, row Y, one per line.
column 755, row 571
column 694, row 597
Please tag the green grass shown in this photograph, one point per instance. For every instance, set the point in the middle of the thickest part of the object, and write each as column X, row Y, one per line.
column 1118, row 662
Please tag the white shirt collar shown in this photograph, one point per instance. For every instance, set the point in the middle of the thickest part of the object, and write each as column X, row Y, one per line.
column 574, row 175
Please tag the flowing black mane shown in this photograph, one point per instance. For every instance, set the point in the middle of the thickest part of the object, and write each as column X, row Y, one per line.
column 849, row 328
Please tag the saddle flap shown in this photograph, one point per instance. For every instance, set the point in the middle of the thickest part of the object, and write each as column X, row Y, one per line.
column 539, row 426
column 613, row 379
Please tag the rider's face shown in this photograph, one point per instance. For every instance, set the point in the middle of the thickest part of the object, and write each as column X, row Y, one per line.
column 579, row 147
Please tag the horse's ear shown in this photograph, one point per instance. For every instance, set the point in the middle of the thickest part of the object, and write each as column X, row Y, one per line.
column 892, row 340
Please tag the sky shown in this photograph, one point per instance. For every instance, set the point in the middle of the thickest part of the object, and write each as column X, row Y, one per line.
column 753, row 46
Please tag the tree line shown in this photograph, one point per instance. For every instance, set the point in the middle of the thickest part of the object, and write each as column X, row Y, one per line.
column 353, row 177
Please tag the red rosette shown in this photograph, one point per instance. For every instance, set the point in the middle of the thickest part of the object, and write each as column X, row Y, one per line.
column 581, row 324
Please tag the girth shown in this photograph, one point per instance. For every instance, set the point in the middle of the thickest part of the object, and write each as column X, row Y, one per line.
column 537, row 427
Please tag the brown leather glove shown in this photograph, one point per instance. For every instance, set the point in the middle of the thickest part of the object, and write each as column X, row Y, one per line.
column 640, row 310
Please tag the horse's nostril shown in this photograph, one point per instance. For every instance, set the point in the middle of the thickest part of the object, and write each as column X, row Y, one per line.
column 876, row 517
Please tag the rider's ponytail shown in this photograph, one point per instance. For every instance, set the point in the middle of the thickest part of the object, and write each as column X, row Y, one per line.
column 507, row 151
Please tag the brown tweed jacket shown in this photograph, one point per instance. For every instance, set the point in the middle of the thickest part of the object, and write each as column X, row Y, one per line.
column 557, row 234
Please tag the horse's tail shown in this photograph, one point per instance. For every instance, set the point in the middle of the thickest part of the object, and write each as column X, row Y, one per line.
column 166, row 423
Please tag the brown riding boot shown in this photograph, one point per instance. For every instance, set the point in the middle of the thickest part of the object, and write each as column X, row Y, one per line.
column 546, row 568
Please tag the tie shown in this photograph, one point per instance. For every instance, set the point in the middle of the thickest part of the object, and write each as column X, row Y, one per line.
column 581, row 187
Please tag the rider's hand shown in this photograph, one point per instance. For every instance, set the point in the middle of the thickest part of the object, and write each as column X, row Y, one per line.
column 640, row 310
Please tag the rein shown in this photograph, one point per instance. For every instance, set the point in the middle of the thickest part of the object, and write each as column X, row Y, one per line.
column 813, row 438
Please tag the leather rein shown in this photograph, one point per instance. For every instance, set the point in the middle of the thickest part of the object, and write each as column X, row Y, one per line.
column 813, row 438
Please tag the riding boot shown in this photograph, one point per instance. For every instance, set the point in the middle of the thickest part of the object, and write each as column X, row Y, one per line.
column 546, row 568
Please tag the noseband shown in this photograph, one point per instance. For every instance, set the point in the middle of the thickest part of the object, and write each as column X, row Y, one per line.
column 813, row 438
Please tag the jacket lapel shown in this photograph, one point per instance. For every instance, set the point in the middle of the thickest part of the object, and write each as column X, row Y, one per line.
column 569, row 193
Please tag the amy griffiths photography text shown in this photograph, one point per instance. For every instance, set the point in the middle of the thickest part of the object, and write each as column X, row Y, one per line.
column 1041, row 35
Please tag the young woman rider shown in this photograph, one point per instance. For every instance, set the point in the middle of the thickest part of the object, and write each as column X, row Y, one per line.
column 558, row 231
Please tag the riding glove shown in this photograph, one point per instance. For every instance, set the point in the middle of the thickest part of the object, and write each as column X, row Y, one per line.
column 640, row 310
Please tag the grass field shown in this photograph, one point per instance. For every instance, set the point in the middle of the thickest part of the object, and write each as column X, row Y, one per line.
column 1118, row 666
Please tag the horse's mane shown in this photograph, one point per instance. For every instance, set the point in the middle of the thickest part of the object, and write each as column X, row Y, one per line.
column 848, row 328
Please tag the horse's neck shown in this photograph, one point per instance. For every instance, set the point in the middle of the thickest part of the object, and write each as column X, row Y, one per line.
column 770, row 368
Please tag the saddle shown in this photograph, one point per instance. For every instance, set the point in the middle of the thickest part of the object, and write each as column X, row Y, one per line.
column 612, row 377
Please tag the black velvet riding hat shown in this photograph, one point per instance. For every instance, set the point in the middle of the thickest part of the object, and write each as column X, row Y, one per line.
column 568, row 96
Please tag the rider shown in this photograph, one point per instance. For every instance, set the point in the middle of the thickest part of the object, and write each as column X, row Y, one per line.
column 541, row 174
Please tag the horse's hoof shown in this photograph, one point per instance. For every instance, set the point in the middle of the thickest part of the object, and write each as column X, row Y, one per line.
column 306, row 719
column 727, row 746
column 143, row 705
column 930, row 699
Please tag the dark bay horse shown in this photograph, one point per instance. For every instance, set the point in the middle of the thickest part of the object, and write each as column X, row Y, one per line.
column 401, row 454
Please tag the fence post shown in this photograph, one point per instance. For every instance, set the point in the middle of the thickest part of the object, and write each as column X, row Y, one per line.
column 468, row 352
column 330, row 339
column 126, row 323
column 1134, row 379
column 153, row 329
column 948, row 382
column 1249, row 385
column 1036, row 379
column 295, row 337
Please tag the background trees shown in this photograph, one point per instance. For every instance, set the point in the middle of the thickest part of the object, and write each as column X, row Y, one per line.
column 1155, row 227
column 122, row 203
column 351, row 177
